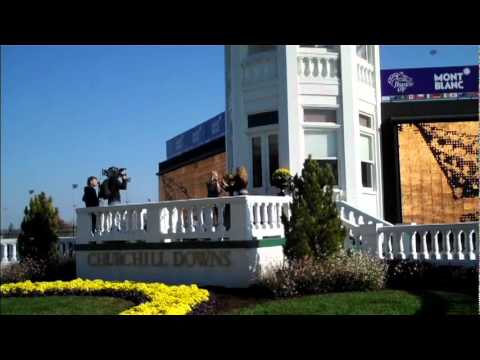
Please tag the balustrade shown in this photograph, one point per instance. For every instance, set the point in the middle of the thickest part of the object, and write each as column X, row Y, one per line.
column 366, row 74
column 223, row 218
column 318, row 67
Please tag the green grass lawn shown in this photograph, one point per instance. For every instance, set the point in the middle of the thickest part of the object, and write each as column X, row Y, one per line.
column 386, row 302
column 63, row 305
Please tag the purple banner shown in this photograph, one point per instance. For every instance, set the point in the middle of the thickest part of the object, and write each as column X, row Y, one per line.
column 443, row 80
column 205, row 132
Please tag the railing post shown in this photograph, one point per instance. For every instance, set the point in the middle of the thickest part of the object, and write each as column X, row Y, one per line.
column 370, row 239
column 153, row 223
column 84, row 226
column 241, row 219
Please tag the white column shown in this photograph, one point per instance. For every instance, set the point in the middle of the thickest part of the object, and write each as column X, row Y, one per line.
column 378, row 118
column 351, row 128
column 289, row 127
column 4, row 254
column 14, row 252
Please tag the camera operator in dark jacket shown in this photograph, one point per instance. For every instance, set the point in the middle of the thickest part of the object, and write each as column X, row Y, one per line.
column 90, row 197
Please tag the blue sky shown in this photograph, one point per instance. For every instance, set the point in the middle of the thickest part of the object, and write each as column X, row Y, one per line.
column 69, row 111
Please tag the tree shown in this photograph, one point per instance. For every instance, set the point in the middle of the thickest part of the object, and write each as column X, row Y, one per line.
column 38, row 237
column 314, row 228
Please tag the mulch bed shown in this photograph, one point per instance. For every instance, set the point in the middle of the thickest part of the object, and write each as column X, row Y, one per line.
column 224, row 300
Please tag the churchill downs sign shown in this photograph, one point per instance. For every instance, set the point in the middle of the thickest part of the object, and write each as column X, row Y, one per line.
column 205, row 258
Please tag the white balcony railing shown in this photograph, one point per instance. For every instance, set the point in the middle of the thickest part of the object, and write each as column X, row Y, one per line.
column 9, row 249
column 223, row 218
column 318, row 66
column 429, row 242
column 444, row 243
column 366, row 73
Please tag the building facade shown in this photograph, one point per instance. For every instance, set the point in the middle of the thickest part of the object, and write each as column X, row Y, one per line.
column 403, row 143
column 288, row 102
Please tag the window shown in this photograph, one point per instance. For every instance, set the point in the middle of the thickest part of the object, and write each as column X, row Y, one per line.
column 366, row 121
column 332, row 48
column 262, row 119
column 322, row 146
column 272, row 154
column 320, row 115
column 255, row 49
column 257, row 161
column 366, row 52
column 366, row 157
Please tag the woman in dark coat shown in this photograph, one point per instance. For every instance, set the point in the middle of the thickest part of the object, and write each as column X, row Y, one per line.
column 90, row 197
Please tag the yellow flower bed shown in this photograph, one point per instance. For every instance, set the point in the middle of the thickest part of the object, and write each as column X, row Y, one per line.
column 163, row 299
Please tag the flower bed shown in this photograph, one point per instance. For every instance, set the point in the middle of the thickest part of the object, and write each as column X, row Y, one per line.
column 151, row 298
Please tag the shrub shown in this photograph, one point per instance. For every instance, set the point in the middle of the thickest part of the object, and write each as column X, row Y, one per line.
column 341, row 272
column 415, row 275
column 38, row 238
column 39, row 270
column 314, row 228
column 63, row 269
column 28, row 269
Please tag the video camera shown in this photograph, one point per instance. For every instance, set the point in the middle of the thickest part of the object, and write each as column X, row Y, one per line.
column 114, row 172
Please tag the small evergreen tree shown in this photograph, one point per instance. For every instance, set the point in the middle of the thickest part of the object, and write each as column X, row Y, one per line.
column 314, row 228
column 38, row 237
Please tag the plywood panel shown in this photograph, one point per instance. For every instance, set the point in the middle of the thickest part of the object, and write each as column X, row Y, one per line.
column 439, row 172
column 189, row 181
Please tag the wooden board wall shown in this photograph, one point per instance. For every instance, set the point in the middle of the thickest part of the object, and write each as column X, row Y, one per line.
column 427, row 194
column 189, row 181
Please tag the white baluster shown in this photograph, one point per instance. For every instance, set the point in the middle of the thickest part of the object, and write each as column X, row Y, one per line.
column 315, row 67
column 307, row 71
column 331, row 63
column 470, row 245
column 401, row 243
column 278, row 214
column 200, row 216
column 459, row 248
column 324, row 68
column 256, row 213
column 170, row 220
column 209, row 219
column 221, row 215
column 180, row 221
column 380, row 245
column 263, row 212
column 425, row 253
column 436, row 247
column 447, row 250
column 389, row 247
column 412, row 252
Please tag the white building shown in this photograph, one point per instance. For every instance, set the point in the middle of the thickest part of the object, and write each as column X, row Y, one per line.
column 286, row 102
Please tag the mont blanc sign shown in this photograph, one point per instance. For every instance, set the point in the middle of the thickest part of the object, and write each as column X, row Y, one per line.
column 430, row 83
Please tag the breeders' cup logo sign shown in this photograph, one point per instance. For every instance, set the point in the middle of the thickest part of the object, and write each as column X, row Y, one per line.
column 400, row 81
